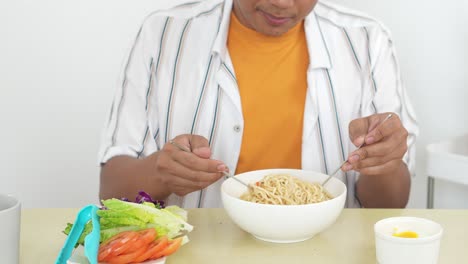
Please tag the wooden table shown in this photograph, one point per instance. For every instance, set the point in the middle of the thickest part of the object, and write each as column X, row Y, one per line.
column 215, row 239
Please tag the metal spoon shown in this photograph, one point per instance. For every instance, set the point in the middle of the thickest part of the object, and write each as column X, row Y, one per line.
column 362, row 145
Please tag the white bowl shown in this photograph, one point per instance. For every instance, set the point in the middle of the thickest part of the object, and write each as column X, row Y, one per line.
column 397, row 250
column 282, row 223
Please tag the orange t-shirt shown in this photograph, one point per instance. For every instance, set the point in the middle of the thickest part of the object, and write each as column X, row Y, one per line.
column 271, row 74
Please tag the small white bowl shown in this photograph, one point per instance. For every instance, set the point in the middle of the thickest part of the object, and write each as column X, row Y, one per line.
column 282, row 223
column 397, row 250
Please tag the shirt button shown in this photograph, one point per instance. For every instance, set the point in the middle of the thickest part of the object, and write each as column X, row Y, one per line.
column 237, row 128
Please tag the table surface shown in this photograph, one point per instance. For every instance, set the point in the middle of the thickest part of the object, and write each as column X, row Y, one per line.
column 216, row 239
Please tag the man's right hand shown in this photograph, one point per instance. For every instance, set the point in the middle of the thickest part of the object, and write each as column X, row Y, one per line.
column 183, row 172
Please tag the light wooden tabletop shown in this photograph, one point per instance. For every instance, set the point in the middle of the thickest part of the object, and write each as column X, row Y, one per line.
column 215, row 239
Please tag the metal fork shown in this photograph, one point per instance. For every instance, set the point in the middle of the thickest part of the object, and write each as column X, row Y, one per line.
column 362, row 145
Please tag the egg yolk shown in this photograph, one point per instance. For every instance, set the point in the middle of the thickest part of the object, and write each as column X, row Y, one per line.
column 406, row 234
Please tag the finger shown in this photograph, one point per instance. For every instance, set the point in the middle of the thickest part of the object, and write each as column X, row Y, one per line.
column 384, row 128
column 181, row 183
column 196, row 163
column 398, row 153
column 173, row 159
column 347, row 167
column 193, row 143
column 375, row 120
column 182, row 142
column 358, row 130
column 200, row 146
column 380, row 169
column 198, row 179
column 171, row 169
column 190, row 160
column 376, row 161
column 381, row 148
column 182, row 187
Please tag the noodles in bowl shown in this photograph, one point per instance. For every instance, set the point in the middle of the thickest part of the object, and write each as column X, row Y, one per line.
column 284, row 189
column 281, row 223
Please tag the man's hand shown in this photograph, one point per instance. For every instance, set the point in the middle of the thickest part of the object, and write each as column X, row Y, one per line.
column 183, row 172
column 385, row 144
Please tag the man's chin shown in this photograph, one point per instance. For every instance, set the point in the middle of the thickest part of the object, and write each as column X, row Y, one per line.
column 275, row 33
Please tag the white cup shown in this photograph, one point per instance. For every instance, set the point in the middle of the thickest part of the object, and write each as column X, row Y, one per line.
column 391, row 249
column 10, row 220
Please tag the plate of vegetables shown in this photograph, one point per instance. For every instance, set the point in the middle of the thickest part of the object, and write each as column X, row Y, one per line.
column 144, row 231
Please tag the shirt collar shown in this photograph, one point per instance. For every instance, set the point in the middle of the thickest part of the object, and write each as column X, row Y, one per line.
column 319, row 55
column 220, row 43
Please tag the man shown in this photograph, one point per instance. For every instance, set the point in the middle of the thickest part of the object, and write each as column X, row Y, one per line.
column 253, row 84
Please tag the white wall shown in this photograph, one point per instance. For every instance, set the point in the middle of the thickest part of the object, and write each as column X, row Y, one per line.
column 59, row 61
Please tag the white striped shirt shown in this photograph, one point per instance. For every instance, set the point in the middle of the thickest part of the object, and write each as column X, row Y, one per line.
column 179, row 79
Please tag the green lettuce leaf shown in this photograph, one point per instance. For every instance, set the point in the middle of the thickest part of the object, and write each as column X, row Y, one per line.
column 87, row 229
column 166, row 221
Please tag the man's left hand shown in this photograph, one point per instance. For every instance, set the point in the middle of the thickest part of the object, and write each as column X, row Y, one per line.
column 385, row 144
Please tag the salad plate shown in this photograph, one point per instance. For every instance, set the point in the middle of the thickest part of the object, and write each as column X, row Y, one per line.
column 161, row 229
